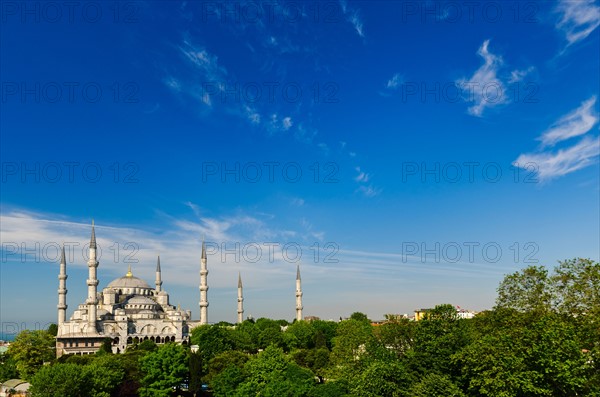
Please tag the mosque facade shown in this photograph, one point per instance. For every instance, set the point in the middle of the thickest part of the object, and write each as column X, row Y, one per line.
column 128, row 310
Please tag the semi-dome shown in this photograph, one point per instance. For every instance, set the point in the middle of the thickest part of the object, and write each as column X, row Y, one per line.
column 141, row 300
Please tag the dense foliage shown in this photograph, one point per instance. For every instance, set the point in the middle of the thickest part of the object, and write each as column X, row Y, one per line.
column 541, row 339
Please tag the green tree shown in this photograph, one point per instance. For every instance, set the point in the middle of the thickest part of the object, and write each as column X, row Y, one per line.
column 130, row 360
column 330, row 389
column 223, row 360
column 30, row 350
column 300, row 335
column 358, row 316
column 105, row 374
column 435, row 385
column 147, row 346
column 396, row 334
column 269, row 333
column 53, row 329
column 76, row 359
column 436, row 338
column 491, row 366
column 349, row 352
column 245, row 337
column 60, row 380
column 272, row 374
column 576, row 286
column 270, row 337
column 536, row 356
column 106, row 347
column 325, row 331
column 8, row 368
column 527, row 290
column 195, row 373
column 227, row 381
column 212, row 340
column 386, row 379
column 164, row 369
column 316, row 360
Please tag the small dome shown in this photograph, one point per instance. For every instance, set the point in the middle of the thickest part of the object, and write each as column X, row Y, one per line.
column 128, row 282
column 140, row 300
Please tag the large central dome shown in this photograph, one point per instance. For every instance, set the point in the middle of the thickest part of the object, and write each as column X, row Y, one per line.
column 128, row 282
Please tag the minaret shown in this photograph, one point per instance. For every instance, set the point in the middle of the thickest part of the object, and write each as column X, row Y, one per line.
column 240, row 310
column 92, row 283
column 62, row 288
column 158, row 276
column 203, row 287
column 298, row 295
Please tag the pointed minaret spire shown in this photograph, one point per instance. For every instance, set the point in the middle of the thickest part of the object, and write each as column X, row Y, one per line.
column 62, row 288
column 298, row 295
column 240, row 308
column 203, row 286
column 92, row 283
column 93, row 239
column 158, row 276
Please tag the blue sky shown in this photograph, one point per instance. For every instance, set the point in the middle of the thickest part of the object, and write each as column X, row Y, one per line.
column 412, row 152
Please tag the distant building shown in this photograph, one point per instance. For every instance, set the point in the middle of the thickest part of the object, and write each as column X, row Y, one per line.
column 311, row 318
column 420, row 314
column 14, row 388
column 462, row 313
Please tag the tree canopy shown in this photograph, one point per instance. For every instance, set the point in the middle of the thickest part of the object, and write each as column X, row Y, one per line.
column 541, row 339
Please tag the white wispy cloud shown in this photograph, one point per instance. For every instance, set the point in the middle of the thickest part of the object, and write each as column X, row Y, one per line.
column 310, row 230
column 297, row 202
column 353, row 16
column 518, row 75
column 178, row 244
column 287, row 123
column 394, row 82
column 208, row 82
column 267, row 283
column 173, row 83
column 277, row 124
column 369, row 191
column 324, row 147
column 550, row 165
column 362, row 176
column 252, row 115
column 305, row 134
column 575, row 123
column 485, row 89
column 208, row 63
column 578, row 19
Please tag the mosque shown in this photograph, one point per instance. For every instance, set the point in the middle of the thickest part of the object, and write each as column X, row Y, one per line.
column 128, row 310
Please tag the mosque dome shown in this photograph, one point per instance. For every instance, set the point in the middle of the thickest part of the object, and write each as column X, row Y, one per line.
column 128, row 282
column 141, row 300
